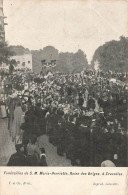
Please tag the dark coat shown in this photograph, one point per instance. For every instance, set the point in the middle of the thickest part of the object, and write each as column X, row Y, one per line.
column 18, row 159
column 43, row 161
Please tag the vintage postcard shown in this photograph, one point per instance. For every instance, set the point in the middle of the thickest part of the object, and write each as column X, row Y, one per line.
column 63, row 97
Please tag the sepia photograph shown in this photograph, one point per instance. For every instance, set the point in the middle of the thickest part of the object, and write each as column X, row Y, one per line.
column 63, row 83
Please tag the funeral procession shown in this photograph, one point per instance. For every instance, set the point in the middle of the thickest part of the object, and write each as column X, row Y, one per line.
column 62, row 107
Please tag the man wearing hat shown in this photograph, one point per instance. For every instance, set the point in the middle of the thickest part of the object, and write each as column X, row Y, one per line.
column 18, row 158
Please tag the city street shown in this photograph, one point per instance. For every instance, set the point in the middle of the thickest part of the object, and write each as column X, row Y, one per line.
column 7, row 148
column 6, row 145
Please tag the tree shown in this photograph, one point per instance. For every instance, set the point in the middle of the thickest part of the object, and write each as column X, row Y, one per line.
column 5, row 53
column 71, row 62
column 19, row 50
column 64, row 62
column 79, row 61
column 113, row 55
column 47, row 53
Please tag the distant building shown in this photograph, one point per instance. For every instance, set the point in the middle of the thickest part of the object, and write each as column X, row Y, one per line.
column 23, row 61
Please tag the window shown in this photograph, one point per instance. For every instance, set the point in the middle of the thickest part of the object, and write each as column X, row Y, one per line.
column 18, row 62
column 23, row 63
column 28, row 62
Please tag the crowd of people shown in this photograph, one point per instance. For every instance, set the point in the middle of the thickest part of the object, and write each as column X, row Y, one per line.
column 84, row 115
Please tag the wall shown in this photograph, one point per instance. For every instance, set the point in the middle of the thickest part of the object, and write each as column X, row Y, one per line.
column 23, row 61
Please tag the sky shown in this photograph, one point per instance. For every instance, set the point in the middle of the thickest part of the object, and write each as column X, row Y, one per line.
column 67, row 25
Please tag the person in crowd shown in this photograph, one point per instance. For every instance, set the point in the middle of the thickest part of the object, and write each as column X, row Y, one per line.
column 107, row 161
column 43, row 161
column 33, row 152
column 65, row 106
column 16, row 130
column 18, row 158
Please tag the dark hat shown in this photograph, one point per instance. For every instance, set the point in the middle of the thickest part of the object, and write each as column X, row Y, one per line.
column 42, row 150
column 18, row 147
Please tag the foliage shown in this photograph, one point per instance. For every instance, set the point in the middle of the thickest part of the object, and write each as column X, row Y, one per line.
column 48, row 53
column 65, row 62
column 71, row 62
column 5, row 53
column 79, row 61
column 19, row 50
column 112, row 55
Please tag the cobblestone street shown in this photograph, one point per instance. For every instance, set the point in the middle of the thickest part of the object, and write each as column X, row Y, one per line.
column 7, row 148
column 6, row 145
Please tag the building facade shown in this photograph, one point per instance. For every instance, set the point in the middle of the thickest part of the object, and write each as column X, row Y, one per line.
column 23, row 61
